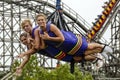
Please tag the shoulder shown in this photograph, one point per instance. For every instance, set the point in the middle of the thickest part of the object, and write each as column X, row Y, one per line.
column 53, row 27
column 37, row 29
column 36, row 32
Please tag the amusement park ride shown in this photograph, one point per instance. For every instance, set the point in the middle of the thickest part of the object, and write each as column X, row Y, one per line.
column 13, row 11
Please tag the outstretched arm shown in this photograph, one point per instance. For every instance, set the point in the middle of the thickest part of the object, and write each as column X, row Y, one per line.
column 29, row 52
column 19, row 69
column 25, row 60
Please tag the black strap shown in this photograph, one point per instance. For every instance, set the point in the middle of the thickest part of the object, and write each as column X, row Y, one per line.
column 72, row 66
column 103, row 48
column 83, row 60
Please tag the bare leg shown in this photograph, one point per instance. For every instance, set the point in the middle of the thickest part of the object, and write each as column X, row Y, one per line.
column 105, row 48
column 93, row 51
column 98, row 48
column 87, row 58
column 92, row 46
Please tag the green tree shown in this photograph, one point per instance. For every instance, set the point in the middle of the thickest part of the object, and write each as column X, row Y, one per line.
column 34, row 72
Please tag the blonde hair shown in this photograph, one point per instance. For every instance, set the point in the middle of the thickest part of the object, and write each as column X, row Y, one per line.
column 24, row 22
column 41, row 14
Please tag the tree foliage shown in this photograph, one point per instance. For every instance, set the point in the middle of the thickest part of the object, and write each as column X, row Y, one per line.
column 34, row 72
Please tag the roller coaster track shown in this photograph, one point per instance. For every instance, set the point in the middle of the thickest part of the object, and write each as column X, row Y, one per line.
column 109, row 10
column 109, row 19
column 9, row 76
column 114, row 12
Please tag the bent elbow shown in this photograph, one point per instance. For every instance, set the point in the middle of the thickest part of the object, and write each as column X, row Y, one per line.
column 37, row 47
column 62, row 39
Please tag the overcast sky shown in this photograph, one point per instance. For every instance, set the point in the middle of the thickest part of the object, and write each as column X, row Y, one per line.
column 87, row 9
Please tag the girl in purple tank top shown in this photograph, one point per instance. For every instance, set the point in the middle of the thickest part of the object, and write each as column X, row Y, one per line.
column 67, row 41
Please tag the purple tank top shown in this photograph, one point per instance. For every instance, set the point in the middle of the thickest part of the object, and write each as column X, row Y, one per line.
column 54, row 52
column 66, row 46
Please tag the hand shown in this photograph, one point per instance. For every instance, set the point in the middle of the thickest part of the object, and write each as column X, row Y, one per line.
column 18, row 71
column 21, row 55
column 30, row 40
column 45, row 36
